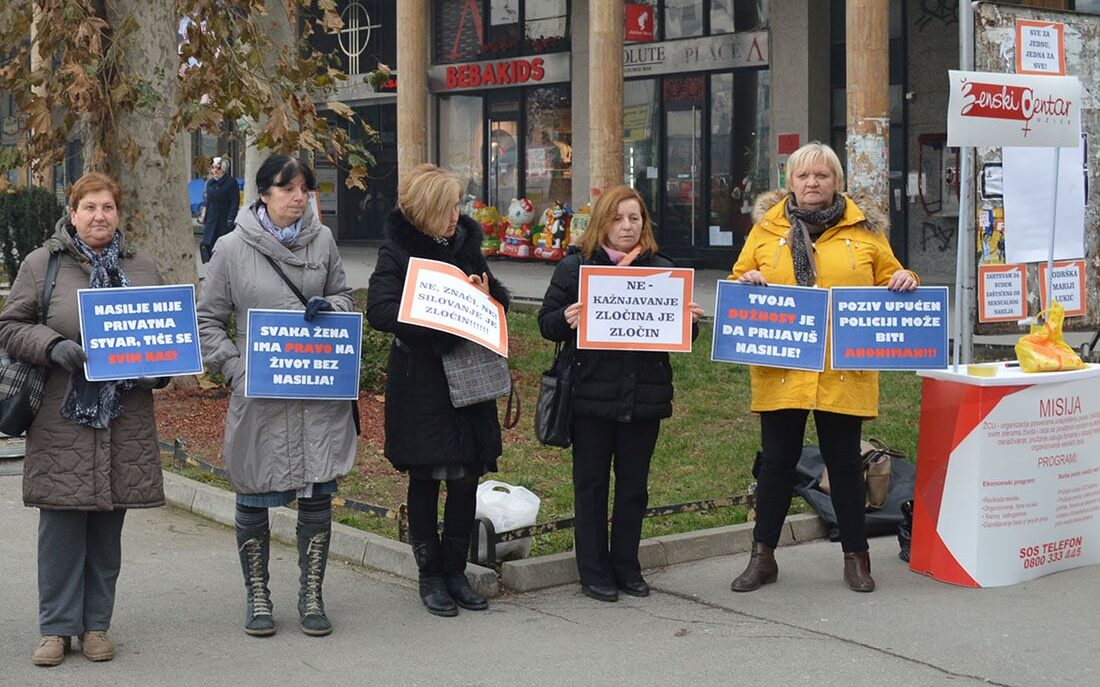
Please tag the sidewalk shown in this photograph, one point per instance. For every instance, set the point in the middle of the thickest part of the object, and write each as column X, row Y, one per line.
column 180, row 606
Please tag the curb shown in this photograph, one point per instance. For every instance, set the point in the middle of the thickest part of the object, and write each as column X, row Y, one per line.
column 529, row 574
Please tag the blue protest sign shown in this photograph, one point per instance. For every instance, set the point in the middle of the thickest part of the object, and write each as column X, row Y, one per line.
column 878, row 329
column 139, row 331
column 771, row 326
column 291, row 358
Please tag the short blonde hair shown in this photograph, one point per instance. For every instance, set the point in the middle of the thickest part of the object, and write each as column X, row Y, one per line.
column 603, row 214
column 426, row 196
column 813, row 152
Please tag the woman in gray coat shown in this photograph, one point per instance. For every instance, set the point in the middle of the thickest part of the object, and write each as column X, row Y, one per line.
column 278, row 450
column 92, row 449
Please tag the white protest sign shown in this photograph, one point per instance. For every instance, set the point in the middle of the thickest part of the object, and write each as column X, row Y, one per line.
column 1030, row 203
column 439, row 296
column 1040, row 47
column 1069, row 286
column 635, row 308
column 1003, row 293
column 991, row 109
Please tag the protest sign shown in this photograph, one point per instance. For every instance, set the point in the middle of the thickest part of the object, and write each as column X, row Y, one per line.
column 635, row 308
column 874, row 328
column 1069, row 286
column 438, row 295
column 1002, row 293
column 288, row 357
column 771, row 326
column 139, row 331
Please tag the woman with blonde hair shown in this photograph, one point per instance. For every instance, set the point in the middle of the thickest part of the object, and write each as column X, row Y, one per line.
column 812, row 234
column 426, row 435
column 619, row 400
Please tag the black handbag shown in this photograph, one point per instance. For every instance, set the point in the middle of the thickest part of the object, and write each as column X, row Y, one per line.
column 22, row 384
column 554, row 413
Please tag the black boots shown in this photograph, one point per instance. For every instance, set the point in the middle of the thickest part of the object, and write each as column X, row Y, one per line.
column 254, row 549
column 313, row 541
column 433, row 588
column 454, row 574
column 857, row 571
column 761, row 569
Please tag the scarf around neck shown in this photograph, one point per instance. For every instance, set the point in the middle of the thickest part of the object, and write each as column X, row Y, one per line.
column 806, row 226
column 285, row 235
column 95, row 404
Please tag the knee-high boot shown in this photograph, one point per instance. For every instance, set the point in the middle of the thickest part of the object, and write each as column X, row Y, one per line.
column 433, row 590
column 454, row 574
column 313, row 542
column 254, row 549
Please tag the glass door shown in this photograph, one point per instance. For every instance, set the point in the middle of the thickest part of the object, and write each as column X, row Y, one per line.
column 504, row 159
column 683, row 201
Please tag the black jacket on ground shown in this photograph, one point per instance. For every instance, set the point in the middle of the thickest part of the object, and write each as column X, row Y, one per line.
column 613, row 385
column 422, row 427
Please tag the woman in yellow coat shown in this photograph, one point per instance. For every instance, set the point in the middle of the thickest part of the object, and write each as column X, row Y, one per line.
column 814, row 235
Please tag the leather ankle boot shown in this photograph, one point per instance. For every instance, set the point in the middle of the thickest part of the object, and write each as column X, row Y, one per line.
column 433, row 590
column 454, row 574
column 761, row 569
column 857, row 571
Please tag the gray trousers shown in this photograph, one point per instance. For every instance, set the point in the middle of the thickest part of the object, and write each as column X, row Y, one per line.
column 79, row 558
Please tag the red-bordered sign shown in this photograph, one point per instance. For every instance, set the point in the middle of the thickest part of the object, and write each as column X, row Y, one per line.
column 438, row 295
column 635, row 308
column 1040, row 47
column 1002, row 293
column 1069, row 286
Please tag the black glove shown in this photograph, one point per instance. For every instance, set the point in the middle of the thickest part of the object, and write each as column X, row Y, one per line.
column 68, row 354
column 316, row 305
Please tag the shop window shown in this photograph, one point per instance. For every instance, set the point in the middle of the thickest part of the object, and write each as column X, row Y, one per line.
column 739, row 155
column 369, row 36
column 727, row 16
column 473, row 30
column 503, row 112
column 684, row 98
column 683, row 18
column 549, row 146
column 642, row 139
column 461, row 140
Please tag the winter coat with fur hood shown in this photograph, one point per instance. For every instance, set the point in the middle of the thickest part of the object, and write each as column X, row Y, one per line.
column 70, row 466
column 422, row 427
column 273, row 444
column 854, row 252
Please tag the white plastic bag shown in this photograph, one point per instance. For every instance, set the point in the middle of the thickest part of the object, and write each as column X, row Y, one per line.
column 508, row 507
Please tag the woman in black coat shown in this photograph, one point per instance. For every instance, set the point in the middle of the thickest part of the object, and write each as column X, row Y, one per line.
column 619, row 400
column 426, row 435
column 223, row 199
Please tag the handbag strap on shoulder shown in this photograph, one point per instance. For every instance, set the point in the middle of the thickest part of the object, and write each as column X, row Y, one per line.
column 512, row 410
column 292, row 285
column 47, row 289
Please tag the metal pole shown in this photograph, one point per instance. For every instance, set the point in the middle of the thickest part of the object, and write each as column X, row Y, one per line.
column 964, row 336
column 1053, row 228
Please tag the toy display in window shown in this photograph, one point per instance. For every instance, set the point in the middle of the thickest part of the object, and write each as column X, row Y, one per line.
column 554, row 238
column 578, row 224
column 517, row 229
column 489, row 219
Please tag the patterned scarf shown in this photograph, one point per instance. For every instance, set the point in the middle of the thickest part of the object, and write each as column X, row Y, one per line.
column 95, row 404
column 806, row 227
column 287, row 234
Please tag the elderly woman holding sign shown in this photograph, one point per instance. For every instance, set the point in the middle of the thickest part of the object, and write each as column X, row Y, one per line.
column 277, row 450
column 814, row 235
column 426, row 435
column 92, row 448
column 619, row 400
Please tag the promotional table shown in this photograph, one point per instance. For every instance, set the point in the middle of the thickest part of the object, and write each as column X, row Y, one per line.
column 1008, row 475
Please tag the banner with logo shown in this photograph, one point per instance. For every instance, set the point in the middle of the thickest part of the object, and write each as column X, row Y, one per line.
column 991, row 109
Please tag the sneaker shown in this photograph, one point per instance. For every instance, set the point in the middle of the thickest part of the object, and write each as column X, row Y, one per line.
column 51, row 650
column 96, row 646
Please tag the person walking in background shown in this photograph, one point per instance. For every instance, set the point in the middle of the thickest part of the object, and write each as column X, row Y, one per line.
column 811, row 234
column 278, row 450
column 92, row 451
column 222, row 198
column 426, row 435
column 619, row 400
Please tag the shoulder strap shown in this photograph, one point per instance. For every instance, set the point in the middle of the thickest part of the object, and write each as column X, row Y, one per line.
column 295, row 289
column 47, row 288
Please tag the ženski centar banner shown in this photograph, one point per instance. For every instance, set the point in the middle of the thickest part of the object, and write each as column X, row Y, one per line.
column 990, row 109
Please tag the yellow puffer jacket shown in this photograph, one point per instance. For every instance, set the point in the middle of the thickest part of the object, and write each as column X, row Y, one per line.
column 855, row 252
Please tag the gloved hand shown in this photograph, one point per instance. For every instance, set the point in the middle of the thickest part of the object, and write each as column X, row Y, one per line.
column 68, row 354
column 316, row 305
column 147, row 383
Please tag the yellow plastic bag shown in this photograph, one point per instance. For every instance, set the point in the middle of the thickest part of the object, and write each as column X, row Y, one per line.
column 1044, row 349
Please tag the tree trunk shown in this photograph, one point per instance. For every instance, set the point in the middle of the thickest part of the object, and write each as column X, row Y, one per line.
column 277, row 23
column 156, row 216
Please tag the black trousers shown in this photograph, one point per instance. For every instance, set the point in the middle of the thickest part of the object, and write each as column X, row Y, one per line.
column 782, row 433
column 597, row 445
column 458, row 511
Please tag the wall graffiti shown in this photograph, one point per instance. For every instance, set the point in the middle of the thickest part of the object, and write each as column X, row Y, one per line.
column 942, row 11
